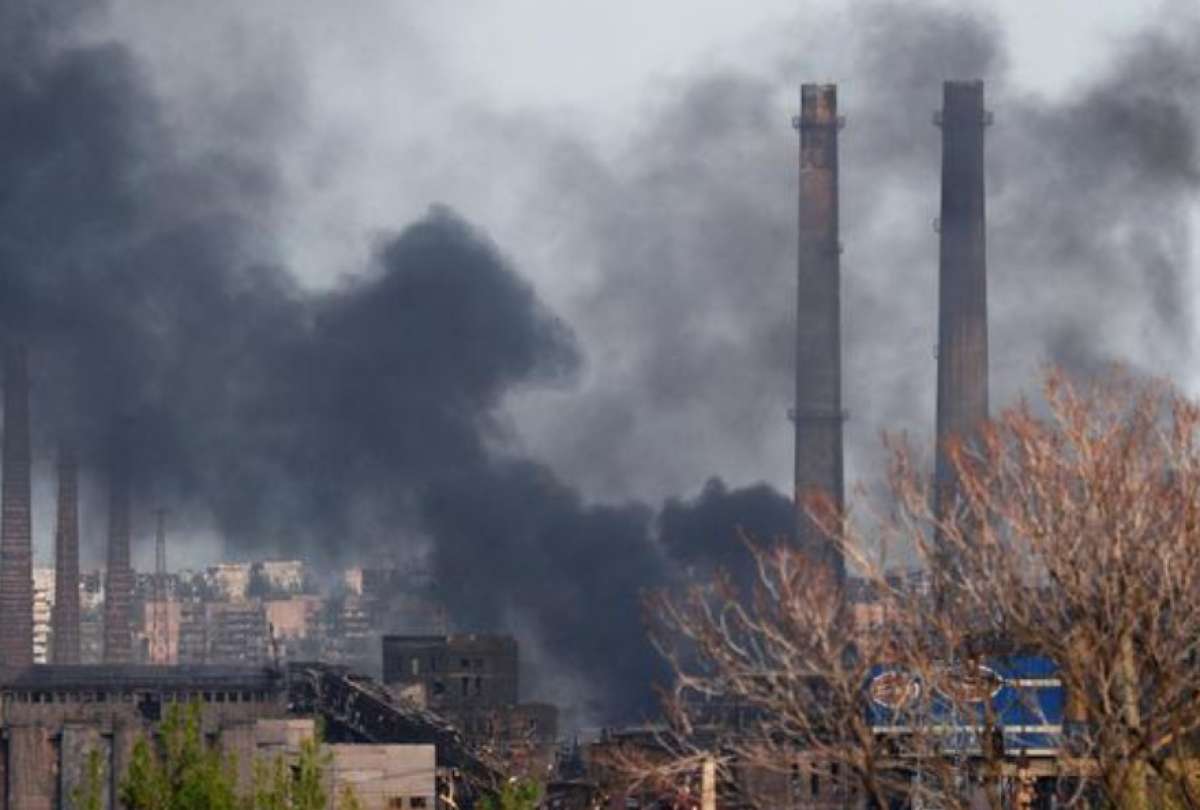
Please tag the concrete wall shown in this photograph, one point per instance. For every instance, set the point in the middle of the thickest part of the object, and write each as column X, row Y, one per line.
column 46, row 760
column 76, row 745
column 383, row 777
column 32, row 768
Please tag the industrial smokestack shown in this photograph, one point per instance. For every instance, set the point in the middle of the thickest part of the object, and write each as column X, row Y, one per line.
column 16, row 552
column 818, row 412
column 962, row 395
column 118, row 582
column 66, row 560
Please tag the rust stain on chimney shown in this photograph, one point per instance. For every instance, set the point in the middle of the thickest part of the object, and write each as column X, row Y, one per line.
column 118, row 580
column 66, row 560
column 16, row 552
column 962, row 394
column 818, row 414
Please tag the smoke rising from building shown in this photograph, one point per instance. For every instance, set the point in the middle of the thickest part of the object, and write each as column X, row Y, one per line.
column 145, row 270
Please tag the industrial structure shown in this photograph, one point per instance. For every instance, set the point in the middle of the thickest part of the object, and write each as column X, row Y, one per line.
column 16, row 529
column 962, row 348
column 54, row 717
column 118, row 581
column 159, row 608
column 472, row 681
column 818, row 413
column 65, row 616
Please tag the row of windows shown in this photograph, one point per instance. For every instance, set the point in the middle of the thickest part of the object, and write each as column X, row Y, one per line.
column 100, row 696
column 434, row 664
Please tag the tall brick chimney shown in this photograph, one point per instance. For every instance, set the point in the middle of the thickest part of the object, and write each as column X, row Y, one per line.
column 16, row 551
column 118, row 580
column 962, row 393
column 818, row 411
column 66, row 560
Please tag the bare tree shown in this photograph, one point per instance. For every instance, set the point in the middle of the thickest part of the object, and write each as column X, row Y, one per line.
column 1073, row 539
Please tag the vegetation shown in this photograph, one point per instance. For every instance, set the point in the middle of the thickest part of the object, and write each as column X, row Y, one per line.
column 1072, row 533
column 182, row 771
column 515, row 794
column 281, row 785
column 89, row 795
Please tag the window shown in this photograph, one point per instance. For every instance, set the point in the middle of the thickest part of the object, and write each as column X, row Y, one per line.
column 478, row 685
column 395, row 802
column 814, row 783
column 416, row 666
column 466, row 663
column 466, row 682
column 416, row 801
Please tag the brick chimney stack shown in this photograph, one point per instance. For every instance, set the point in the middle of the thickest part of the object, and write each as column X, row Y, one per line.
column 16, row 530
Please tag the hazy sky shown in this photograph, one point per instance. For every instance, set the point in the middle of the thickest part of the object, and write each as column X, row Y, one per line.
column 390, row 79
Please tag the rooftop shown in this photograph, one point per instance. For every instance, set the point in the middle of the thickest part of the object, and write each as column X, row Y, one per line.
column 137, row 676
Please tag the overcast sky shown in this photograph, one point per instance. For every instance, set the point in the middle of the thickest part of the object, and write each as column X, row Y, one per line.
column 378, row 84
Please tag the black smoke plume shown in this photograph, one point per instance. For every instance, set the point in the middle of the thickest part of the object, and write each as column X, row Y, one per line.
column 144, row 270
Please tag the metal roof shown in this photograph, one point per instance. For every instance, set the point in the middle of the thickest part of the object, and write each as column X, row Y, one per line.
column 134, row 676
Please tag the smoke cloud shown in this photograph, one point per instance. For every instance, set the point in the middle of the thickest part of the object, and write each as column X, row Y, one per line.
column 690, row 236
column 543, row 442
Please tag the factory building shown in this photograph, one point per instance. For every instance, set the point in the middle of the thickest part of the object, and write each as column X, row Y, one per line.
column 472, row 681
column 54, row 717
column 456, row 673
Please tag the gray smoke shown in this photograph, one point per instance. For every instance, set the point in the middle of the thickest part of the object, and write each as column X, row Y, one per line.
column 142, row 261
column 690, row 236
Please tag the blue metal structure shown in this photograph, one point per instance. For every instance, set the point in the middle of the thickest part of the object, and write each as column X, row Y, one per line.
column 1019, row 696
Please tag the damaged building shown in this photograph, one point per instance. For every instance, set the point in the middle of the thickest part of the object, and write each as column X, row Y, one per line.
column 471, row 680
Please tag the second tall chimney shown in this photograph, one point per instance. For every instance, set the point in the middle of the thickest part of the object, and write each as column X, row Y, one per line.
column 818, row 411
column 118, row 582
column 66, row 561
column 962, row 392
